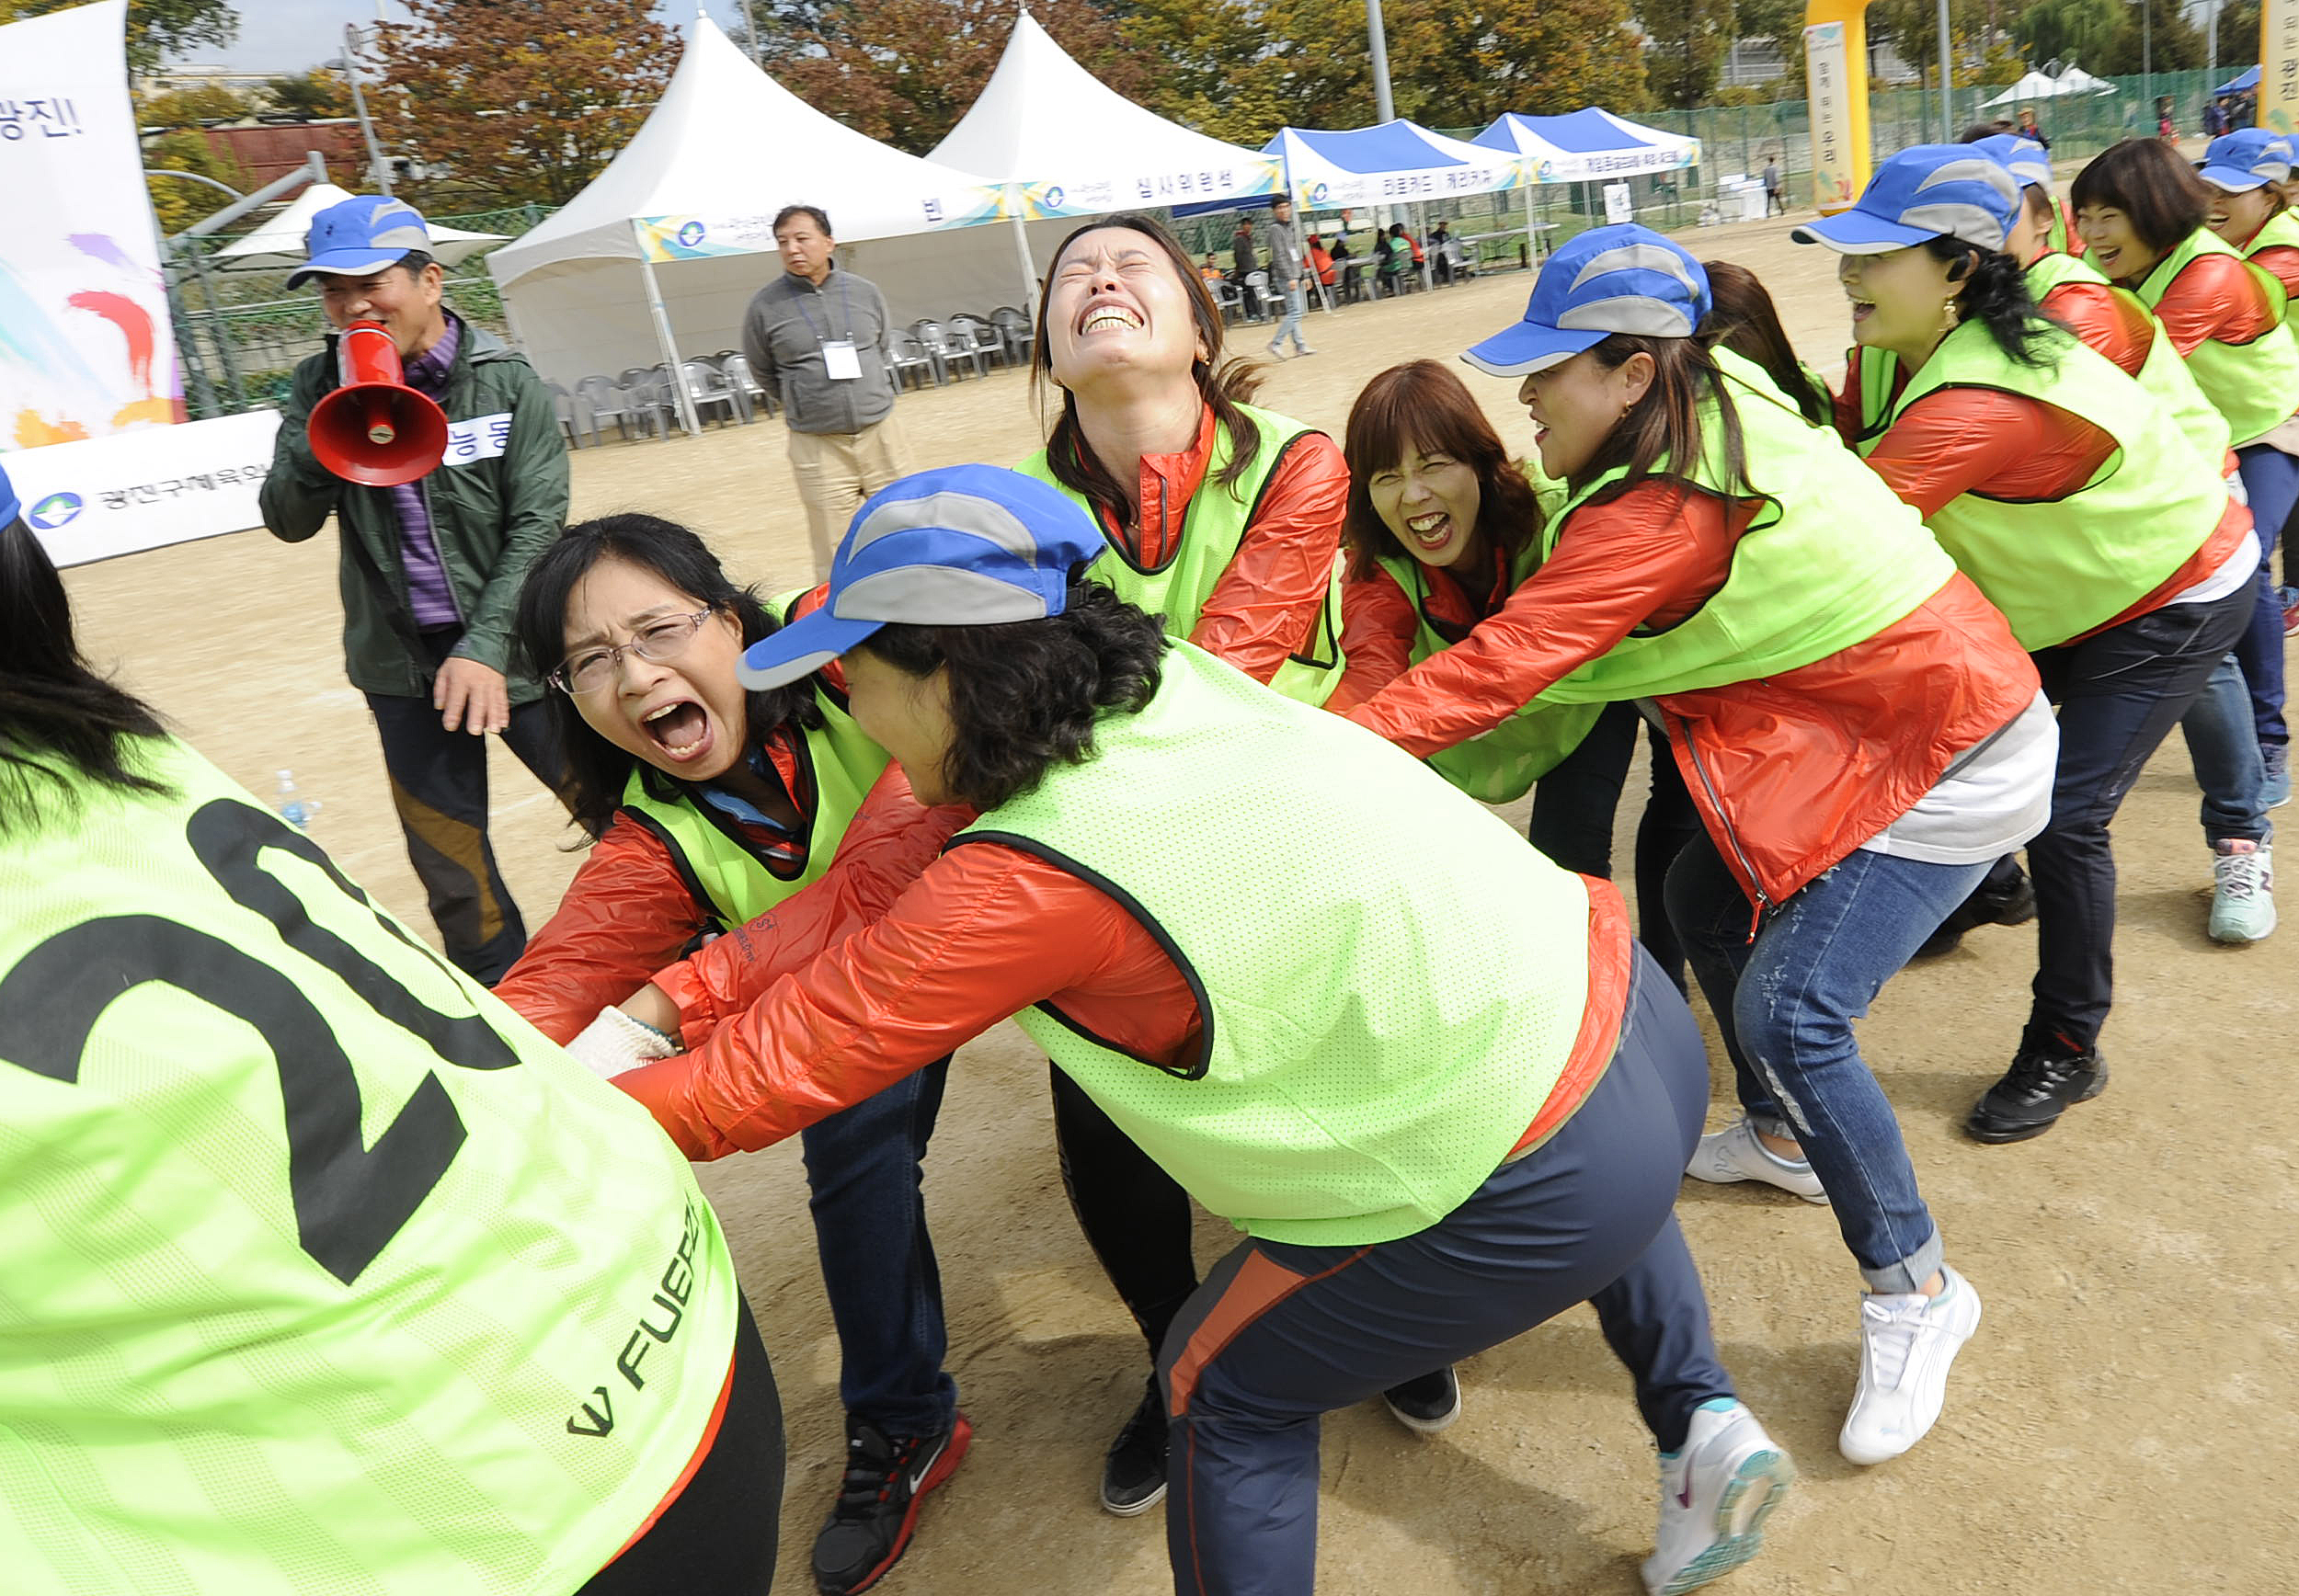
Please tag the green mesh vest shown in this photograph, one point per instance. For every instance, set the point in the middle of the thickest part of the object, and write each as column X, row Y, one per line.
column 2058, row 570
column 2280, row 230
column 1382, row 1021
column 1212, row 527
column 326, row 1271
column 1832, row 558
column 2163, row 373
column 2255, row 385
column 1501, row 765
column 732, row 885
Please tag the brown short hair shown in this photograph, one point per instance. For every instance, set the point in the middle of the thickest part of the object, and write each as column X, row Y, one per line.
column 2146, row 179
column 1424, row 405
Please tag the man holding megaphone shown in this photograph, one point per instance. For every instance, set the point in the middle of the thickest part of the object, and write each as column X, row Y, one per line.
column 437, row 449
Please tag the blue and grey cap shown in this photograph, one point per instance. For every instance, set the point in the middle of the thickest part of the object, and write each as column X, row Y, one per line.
column 2245, row 159
column 359, row 236
column 964, row 545
column 1925, row 191
column 2024, row 158
column 1623, row 278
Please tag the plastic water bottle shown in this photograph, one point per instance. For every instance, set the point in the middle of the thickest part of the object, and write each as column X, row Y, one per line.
column 296, row 810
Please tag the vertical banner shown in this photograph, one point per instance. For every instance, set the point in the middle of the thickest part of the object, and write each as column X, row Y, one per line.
column 86, row 347
column 1836, row 73
column 2279, row 65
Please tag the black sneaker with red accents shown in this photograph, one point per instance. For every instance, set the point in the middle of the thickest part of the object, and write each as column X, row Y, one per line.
column 886, row 1478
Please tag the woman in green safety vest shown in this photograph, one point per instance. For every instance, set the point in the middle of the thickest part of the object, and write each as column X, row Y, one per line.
column 1443, row 527
column 2075, row 500
column 326, row 1271
column 707, row 806
column 2144, row 210
column 1428, row 1073
column 1856, row 726
column 1224, row 520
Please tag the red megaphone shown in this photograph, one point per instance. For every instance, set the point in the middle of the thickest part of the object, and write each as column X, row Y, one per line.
column 375, row 429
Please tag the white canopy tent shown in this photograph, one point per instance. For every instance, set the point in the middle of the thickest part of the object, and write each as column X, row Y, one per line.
column 2035, row 86
column 663, row 251
column 277, row 245
column 1062, row 144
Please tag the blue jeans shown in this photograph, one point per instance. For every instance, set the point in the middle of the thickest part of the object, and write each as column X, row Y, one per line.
column 1281, row 1334
column 2270, row 481
column 2222, row 743
column 1785, row 1005
column 878, row 1264
column 1296, row 305
column 2119, row 692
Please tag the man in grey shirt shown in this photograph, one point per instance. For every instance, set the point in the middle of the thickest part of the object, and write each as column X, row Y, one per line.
column 820, row 337
column 1289, row 276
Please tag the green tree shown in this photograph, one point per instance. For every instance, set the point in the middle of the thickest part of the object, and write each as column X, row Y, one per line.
column 1684, row 48
column 512, row 101
column 178, row 203
column 156, row 29
column 316, row 93
column 209, row 102
column 1782, row 22
column 2169, row 44
column 2070, row 31
column 2238, row 35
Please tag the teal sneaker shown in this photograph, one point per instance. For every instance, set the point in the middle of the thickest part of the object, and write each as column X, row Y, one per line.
column 2243, row 891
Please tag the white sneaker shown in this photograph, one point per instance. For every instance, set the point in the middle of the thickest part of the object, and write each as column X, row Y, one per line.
column 1734, row 1154
column 1907, row 1344
column 2243, row 891
column 1715, row 1495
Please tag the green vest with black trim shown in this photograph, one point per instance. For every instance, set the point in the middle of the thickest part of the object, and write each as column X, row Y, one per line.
column 1213, row 526
column 731, row 883
column 1498, row 766
column 2255, row 385
column 2059, row 569
column 1832, row 557
column 327, row 1273
column 2280, row 230
column 1391, row 982
column 2162, row 374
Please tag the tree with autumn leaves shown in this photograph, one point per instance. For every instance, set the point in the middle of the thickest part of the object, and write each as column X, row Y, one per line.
column 512, row 101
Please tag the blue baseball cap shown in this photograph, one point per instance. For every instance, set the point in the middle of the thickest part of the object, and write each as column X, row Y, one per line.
column 2023, row 158
column 1923, row 192
column 363, row 234
column 1623, row 278
column 2245, row 159
column 964, row 545
column 10, row 506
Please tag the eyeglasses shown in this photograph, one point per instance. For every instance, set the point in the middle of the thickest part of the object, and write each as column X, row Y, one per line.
column 658, row 642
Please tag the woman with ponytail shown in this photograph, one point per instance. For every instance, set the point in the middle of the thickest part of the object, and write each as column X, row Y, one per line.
column 1858, row 730
column 1224, row 520
column 2071, row 496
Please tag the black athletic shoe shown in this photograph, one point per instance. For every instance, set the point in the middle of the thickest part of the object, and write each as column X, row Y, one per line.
column 886, row 1478
column 2047, row 1079
column 1133, row 1474
column 1427, row 1402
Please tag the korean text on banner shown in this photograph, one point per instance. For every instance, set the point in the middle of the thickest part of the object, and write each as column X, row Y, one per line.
column 141, row 490
column 2279, row 66
column 86, row 347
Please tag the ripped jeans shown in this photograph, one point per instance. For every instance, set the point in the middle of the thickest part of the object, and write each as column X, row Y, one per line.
column 1785, row 1005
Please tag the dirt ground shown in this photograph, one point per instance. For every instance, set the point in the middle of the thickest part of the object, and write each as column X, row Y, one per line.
column 2123, row 1420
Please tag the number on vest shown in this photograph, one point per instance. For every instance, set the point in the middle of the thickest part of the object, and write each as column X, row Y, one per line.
column 350, row 1200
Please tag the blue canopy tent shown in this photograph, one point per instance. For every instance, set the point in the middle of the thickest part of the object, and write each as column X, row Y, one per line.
column 1394, row 163
column 1588, row 144
column 2243, row 82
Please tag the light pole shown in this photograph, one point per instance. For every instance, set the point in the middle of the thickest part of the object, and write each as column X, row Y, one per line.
column 751, row 31
column 354, row 38
column 1384, row 109
column 1947, row 81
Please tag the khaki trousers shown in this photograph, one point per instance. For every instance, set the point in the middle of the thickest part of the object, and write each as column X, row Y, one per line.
column 836, row 471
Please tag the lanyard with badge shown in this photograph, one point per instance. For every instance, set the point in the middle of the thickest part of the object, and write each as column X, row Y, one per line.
column 840, row 361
